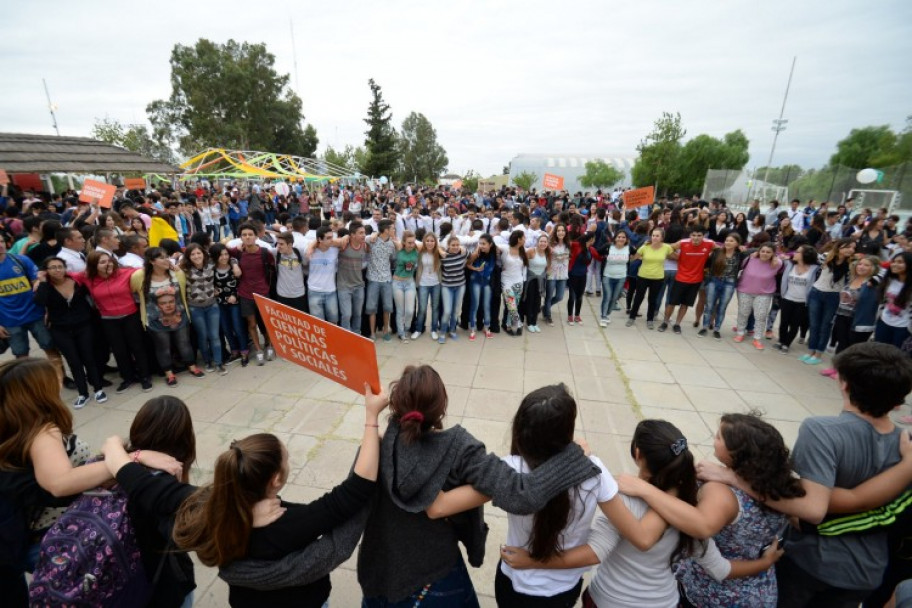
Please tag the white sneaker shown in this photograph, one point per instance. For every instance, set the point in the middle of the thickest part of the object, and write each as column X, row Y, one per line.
column 416, row 335
column 260, row 359
column 603, row 323
column 270, row 353
column 434, row 335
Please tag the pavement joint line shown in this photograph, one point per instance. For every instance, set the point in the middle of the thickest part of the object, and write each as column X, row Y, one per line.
column 628, row 391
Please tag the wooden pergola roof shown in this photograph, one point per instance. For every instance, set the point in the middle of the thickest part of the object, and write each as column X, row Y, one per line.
column 25, row 153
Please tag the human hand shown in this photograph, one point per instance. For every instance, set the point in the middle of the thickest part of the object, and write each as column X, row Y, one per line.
column 42, row 275
column 517, row 557
column 772, row 553
column 267, row 511
column 375, row 404
column 161, row 462
column 583, row 444
column 633, row 486
column 4, row 333
column 113, row 445
column 710, row 471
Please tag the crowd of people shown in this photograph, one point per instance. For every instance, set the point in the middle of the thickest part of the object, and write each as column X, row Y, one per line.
column 165, row 282
column 416, row 492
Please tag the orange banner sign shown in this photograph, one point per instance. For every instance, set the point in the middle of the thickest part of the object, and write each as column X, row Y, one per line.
column 134, row 183
column 320, row 346
column 4, row 178
column 639, row 197
column 552, row 182
column 98, row 193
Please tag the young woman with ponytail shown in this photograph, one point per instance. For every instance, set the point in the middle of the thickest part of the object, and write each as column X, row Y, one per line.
column 741, row 526
column 626, row 576
column 217, row 520
column 409, row 554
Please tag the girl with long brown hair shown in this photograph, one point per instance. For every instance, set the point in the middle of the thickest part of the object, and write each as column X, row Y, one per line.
column 217, row 520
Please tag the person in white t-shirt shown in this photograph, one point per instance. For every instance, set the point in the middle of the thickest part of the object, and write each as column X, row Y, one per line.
column 543, row 426
column 632, row 576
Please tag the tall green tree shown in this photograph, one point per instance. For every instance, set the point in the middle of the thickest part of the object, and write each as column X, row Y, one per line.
column 229, row 95
column 381, row 142
column 422, row 158
column 470, row 181
column 705, row 152
column 781, row 176
column 135, row 138
column 659, row 152
column 874, row 147
column 525, row 180
column 600, row 174
column 309, row 142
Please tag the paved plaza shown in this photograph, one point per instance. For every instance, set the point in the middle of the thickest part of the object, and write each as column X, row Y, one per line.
column 619, row 375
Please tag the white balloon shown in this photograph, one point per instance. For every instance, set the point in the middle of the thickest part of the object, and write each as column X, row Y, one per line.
column 383, row 179
column 282, row 188
column 866, row 176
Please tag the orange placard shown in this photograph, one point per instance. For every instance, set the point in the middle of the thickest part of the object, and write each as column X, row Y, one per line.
column 134, row 183
column 97, row 192
column 552, row 182
column 639, row 197
column 4, row 178
column 320, row 346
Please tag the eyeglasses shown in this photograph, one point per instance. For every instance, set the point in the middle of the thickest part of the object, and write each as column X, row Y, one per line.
column 56, row 268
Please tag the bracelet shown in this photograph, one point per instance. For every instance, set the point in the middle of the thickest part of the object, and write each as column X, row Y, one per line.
column 376, row 426
column 135, row 456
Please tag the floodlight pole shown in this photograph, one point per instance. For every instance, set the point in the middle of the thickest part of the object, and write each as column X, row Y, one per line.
column 778, row 126
column 50, row 106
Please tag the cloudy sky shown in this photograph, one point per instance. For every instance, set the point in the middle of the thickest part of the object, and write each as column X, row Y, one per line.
column 496, row 78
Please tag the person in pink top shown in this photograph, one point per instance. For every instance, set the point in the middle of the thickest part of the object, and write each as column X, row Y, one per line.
column 109, row 285
column 755, row 290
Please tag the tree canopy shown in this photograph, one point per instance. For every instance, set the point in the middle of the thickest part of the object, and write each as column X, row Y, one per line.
column 659, row 150
column 600, row 174
column 229, row 95
column 525, row 180
column 381, row 142
column 878, row 146
column 135, row 138
column 422, row 158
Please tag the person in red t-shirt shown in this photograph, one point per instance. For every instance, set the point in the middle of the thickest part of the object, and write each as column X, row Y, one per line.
column 692, row 256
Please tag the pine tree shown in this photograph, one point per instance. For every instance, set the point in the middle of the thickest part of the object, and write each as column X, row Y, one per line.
column 382, row 151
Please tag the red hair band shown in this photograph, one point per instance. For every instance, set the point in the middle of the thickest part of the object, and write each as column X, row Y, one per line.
column 413, row 416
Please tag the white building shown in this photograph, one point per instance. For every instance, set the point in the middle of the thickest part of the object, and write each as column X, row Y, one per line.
column 570, row 167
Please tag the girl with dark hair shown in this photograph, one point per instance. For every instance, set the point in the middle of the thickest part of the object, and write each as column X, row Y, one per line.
column 722, row 270
column 740, row 226
column 69, row 316
column 216, row 521
column 823, row 299
column 756, row 287
column 796, row 282
column 162, row 292
column 628, row 577
column 227, row 272
column 202, row 297
column 409, row 554
column 481, row 265
column 895, row 290
column 739, row 524
column 581, row 255
column 513, row 262
column 617, row 260
column 557, row 270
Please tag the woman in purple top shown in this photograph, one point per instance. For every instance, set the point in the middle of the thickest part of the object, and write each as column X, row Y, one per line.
column 755, row 290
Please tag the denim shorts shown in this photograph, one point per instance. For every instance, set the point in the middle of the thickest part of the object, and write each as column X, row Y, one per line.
column 19, row 337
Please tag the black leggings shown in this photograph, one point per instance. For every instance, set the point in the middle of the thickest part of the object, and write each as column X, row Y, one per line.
column 575, row 288
column 843, row 334
column 532, row 300
column 631, row 290
column 791, row 316
column 125, row 335
column 508, row 597
column 642, row 286
column 76, row 346
column 162, row 342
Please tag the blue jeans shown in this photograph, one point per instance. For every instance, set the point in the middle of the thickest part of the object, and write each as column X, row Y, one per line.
column 554, row 293
column 206, row 321
column 404, row 297
column 667, row 283
column 424, row 293
column 611, row 291
column 233, row 326
column 378, row 293
column 19, row 337
column 887, row 334
column 324, row 305
column 454, row 590
column 351, row 305
column 480, row 293
column 821, row 310
column 452, row 304
column 719, row 293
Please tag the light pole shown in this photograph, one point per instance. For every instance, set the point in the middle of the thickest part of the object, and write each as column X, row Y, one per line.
column 779, row 125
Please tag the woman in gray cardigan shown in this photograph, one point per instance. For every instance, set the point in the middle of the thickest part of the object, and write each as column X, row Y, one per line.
column 405, row 556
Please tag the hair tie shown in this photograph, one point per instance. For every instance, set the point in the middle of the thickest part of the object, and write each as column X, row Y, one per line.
column 415, row 415
column 679, row 446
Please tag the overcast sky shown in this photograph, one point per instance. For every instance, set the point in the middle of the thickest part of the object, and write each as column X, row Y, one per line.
column 495, row 78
